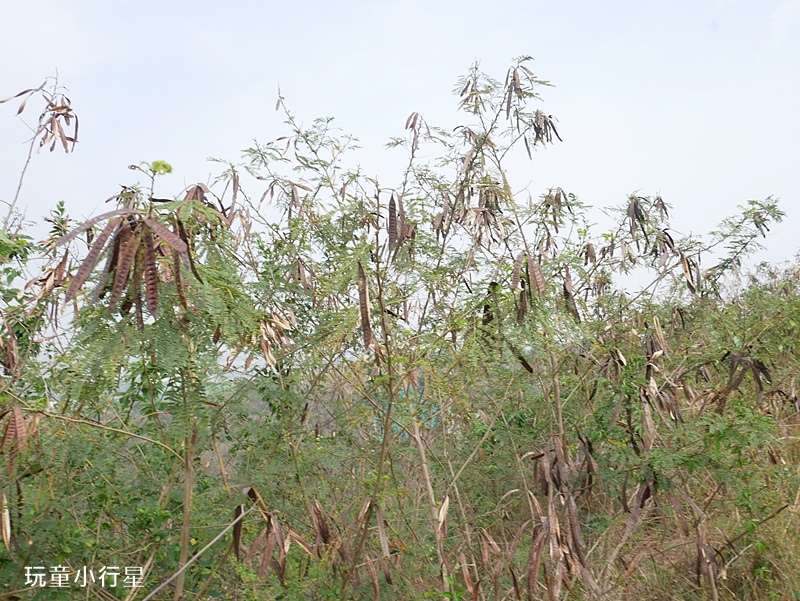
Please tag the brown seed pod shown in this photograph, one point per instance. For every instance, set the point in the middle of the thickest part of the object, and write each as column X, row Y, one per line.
column 363, row 303
column 150, row 273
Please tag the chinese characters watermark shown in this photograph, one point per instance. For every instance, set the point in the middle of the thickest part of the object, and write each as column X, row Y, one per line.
column 62, row 577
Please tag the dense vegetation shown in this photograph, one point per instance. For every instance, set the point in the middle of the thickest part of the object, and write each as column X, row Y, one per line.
column 432, row 390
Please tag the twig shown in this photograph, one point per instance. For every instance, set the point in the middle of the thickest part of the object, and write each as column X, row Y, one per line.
column 19, row 185
column 102, row 427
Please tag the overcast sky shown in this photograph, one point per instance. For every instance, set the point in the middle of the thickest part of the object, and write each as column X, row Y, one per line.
column 696, row 101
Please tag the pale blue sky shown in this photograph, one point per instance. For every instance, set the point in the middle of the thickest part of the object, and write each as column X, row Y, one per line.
column 697, row 101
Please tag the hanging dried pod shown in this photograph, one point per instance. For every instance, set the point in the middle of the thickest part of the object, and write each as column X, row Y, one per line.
column 687, row 272
column 129, row 244
column 569, row 296
column 392, row 222
column 91, row 259
column 150, row 274
column 363, row 304
column 515, row 272
column 522, row 306
column 538, row 286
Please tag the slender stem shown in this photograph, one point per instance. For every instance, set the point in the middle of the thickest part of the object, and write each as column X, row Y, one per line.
column 19, row 185
column 161, row 587
column 387, row 428
column 221, row 465
column 426, row 474
column 188, row 485
column 102, row 427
